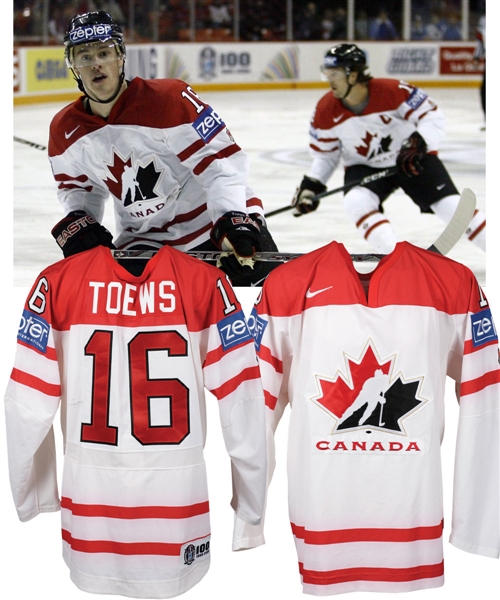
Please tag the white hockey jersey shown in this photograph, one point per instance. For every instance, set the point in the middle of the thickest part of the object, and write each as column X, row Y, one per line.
column 362, row 360
column 166, row 158
column 373, row 138
column 127, row 359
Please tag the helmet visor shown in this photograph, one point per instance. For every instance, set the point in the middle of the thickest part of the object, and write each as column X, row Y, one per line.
column 88, row 55
column 332, row 73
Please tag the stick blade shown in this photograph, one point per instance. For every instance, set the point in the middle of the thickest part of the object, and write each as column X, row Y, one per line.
column 458, row 224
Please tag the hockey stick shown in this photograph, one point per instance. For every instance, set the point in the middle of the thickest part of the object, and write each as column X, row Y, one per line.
column 444, row 243
column 32, row 144
column 458, row 224
column 380, row 175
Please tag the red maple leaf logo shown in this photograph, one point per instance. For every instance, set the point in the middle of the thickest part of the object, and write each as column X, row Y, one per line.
column 339, row 394
column 116, row 169
column 363, row 150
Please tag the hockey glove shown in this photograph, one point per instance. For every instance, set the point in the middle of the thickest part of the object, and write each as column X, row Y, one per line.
column 79, row 231
column 409, row 159
column 304, row 201
column 238, row 233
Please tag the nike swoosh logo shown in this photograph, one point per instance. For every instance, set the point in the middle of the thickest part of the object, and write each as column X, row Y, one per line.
column 440, row 187
column 68, row 135
column 310, row 294
column 337, row 119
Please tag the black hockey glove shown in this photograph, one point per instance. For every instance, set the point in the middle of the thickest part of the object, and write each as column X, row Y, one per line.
column 78, row 231
column 410, row 156
column 238, row 233
column 303, row 201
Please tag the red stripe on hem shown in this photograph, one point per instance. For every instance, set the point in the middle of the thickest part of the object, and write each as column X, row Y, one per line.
column 124, row 548
column 135, row 512
column 340, row 536
column 49, row 389
column 371, row 574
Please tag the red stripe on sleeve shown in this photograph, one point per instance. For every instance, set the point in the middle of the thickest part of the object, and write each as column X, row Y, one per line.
column 190, row 150
column 208, row 160
column 270, row 400
column 254, row 202
column 229, row 386
column 265, row 355
column 50, row 353
column 476, row 385
column 469, row 346
column 36, row 383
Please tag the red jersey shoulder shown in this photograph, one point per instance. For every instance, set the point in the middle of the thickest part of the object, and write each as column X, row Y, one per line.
column 328, row 109
column 69, row 125
column 420, row 277
column 388, row 94
column 174, row 101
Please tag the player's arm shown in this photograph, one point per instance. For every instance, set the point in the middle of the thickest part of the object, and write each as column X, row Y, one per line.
column 82, row 198
column 429, row 123
column 205, row 146
column 324, row 149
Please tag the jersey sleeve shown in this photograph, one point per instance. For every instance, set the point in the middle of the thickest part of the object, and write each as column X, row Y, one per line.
column 324, row 144
column 475, row 366
column 231, row 373
column 424, row 114
column 31, row 402
column 204, row 145
column 76, row 188
column 273, row 347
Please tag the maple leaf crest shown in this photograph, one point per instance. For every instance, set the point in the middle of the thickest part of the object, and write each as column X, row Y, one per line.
column 128, row 184
column 363, row 150
column 367, row 396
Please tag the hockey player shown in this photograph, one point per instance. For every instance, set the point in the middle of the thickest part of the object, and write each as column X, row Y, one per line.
column 373, row 124
column 172, row 167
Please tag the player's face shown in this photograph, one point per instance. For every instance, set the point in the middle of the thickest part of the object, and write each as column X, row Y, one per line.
column 338, row 80
column 99, row 66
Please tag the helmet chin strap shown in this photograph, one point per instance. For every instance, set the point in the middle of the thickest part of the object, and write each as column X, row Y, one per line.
column 349, row 85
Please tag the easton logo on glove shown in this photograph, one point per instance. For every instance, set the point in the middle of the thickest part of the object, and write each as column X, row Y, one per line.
column 74, row 227
column 79, row 231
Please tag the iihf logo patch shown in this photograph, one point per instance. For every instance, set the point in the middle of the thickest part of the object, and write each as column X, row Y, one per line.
column 189, row 555
column 368, row 395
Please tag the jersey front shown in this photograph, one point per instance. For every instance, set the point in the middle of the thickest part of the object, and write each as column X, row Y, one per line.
column 362, row 361
column 373, row 138
column 166, row 158
column 127, row 359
